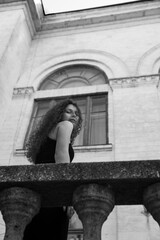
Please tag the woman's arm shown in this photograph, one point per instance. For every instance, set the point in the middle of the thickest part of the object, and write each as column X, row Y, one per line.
column 64, row 130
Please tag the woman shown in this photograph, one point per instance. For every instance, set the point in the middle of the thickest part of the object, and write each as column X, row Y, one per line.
column 51, row 142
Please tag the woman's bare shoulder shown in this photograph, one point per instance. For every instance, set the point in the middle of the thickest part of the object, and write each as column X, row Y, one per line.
column 66, row 124
column 64, row 131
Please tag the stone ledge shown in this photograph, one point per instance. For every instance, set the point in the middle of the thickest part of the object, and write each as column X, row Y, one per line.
column 23, row 91
column 56, row 182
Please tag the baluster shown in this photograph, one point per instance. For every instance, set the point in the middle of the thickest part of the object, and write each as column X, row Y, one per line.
column 151, row 200
column 93, row 203
column 18, row 207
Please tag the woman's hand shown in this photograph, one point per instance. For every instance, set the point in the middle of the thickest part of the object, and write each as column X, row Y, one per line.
column 70, row 211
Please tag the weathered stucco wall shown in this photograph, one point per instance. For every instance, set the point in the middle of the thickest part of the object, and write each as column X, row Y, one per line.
column 15, row 42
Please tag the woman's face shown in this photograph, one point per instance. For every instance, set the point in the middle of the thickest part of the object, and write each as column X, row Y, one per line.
column 71, row 114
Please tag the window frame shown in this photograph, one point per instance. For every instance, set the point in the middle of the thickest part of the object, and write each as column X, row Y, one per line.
column 87, row 132
column 78, row 91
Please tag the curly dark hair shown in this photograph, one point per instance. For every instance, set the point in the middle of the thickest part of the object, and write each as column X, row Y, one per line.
column 48, row 121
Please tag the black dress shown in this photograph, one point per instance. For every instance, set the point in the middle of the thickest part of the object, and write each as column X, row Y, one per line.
column 49, row 223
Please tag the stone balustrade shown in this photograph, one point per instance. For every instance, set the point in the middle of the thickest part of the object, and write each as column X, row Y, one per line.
column 92, row 188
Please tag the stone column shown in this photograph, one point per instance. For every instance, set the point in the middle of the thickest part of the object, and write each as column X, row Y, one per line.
column 93, row 203
column 18, row 207
column 151, row 201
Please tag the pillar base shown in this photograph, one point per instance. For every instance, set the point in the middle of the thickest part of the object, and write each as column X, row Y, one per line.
column 18, row 207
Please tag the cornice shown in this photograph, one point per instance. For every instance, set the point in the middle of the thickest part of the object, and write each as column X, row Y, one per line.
column 101, row 16
column 91, row 17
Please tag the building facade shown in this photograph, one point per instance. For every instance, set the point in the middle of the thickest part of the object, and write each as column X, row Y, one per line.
column 108, row 60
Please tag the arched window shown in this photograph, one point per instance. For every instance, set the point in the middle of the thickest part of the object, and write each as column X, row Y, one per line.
column 74, row 76
column 94, row 106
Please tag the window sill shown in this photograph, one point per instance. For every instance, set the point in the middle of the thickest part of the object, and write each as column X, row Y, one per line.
column 96, row 148
column 19, row 152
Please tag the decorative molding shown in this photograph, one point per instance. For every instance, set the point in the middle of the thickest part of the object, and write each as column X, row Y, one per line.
column 23, row 91
column 135, row 81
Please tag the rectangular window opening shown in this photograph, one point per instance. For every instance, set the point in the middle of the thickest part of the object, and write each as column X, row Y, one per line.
column 94, row 109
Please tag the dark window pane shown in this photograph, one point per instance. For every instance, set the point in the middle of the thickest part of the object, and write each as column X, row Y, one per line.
column 98, row 129
column 98, row 104
column 98, row 121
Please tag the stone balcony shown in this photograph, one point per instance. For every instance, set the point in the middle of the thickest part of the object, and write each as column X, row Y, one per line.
column 87, row 186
